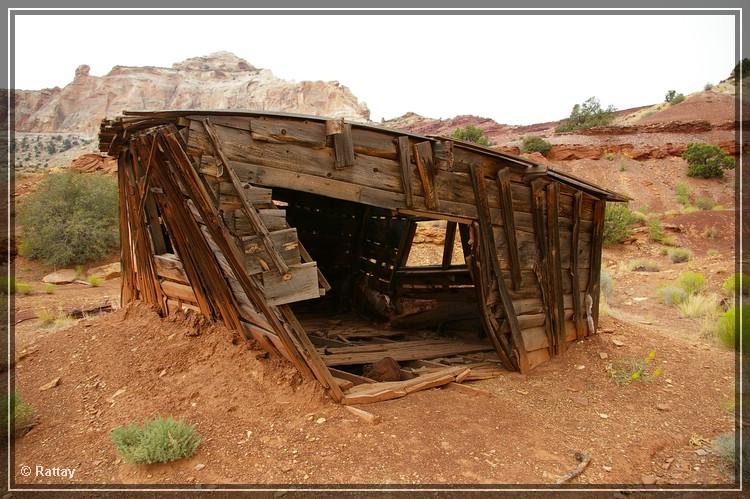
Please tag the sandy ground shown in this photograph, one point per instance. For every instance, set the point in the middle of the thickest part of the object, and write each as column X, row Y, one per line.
column 262, row 424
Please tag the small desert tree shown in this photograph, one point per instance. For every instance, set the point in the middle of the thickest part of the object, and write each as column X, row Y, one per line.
column 587, row 115
column 673, row 97
column 471, row 133
column 70, row 218
column 618, row 223
column 706, row 160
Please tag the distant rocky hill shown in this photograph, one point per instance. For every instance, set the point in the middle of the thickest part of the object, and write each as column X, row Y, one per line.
column 218, row 81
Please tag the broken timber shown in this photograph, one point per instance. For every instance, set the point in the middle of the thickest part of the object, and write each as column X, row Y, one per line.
column 246, row 217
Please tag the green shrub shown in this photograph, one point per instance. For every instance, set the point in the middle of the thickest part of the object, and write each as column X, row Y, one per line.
column 587, row 115
column 471, row 133
column 671, row 295
column 706, row 160
column 655, row 231
column 21, row 414
column 70, row 218
column 49, row 288
column 643, row 265
column 691, row 282
column 727, row 326
column 534, row 143
column 618, row 222
column 94, row 280
column 707, row 87
column 157, row 441
column 683, row 194
column 609, row 156
column 606, row 284
column 712, row 253
column 697, row 305
column 710, row 232
column 705, row 203
column 626, row 370
column 679, row 255
column 23, row 288
column 673, row 97
column 622, row 166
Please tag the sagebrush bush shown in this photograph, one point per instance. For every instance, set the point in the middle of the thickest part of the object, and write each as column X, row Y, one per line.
column 691, row 282
column 21, row 414
column 655, row 231
column 727, row 326
column 683, row 194
column 618, row 223
column 534, row 143
column 587, row 115
column 698, row 305
column 679, row 255
column 671, row 295
column 707, row 87
column 158, row 441
column 643, row 265
column 94, row 280
column 710, row 232
column 471, row 133
column 70, row 218
column 706, row 160
column 673, row 97
column 705, row 203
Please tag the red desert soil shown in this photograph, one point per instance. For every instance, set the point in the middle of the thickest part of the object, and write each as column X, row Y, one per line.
column 262, row 424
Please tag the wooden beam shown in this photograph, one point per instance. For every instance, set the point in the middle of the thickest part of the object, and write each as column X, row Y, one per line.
column 575, row 234
column 450, row 238
column 247, row 208
column 485, row 227
column 555, row 266
column 540, row 266
column 509, row 225
column 442, row 150
column 426, row 170
column 405, row 161
column 596, row 258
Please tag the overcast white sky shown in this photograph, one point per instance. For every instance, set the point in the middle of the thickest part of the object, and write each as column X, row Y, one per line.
column 513, row 69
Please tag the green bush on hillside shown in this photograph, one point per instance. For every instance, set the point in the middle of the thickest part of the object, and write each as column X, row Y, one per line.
column 706, row 160
column 673, row 97
column 618, row 223
column 587, row 115
column 534, row 143
column 471, row 133
column 70, row 218
column 727, row 327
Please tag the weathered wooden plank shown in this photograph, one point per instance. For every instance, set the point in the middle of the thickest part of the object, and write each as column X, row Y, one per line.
column 301, row 285
column 442, row 150
column 170, row 267
column 343, row 145
column 489, row 246
column 555, row 267
column 541, row 266
column 535, row 338
column 177, row 291
column 573, row 270
column 426, row 170
column 398, row 353
column 257, row 259
column 503, row 183
column 596, row 260
column 450, row 240
column 404, row 156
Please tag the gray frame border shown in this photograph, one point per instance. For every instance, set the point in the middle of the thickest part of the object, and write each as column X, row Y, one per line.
column 276, row 8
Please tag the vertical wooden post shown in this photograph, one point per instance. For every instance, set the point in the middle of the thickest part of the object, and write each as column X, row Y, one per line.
column 450, row 238
column 405, row 162
column 575, row 235
column 596, row 258
column 555, row 266
column 541, row 267
column 509, row 225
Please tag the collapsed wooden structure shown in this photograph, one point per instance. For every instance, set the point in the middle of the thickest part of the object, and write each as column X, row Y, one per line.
column 290, row 228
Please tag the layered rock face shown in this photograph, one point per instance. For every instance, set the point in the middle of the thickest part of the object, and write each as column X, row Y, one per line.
column 218, row 81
